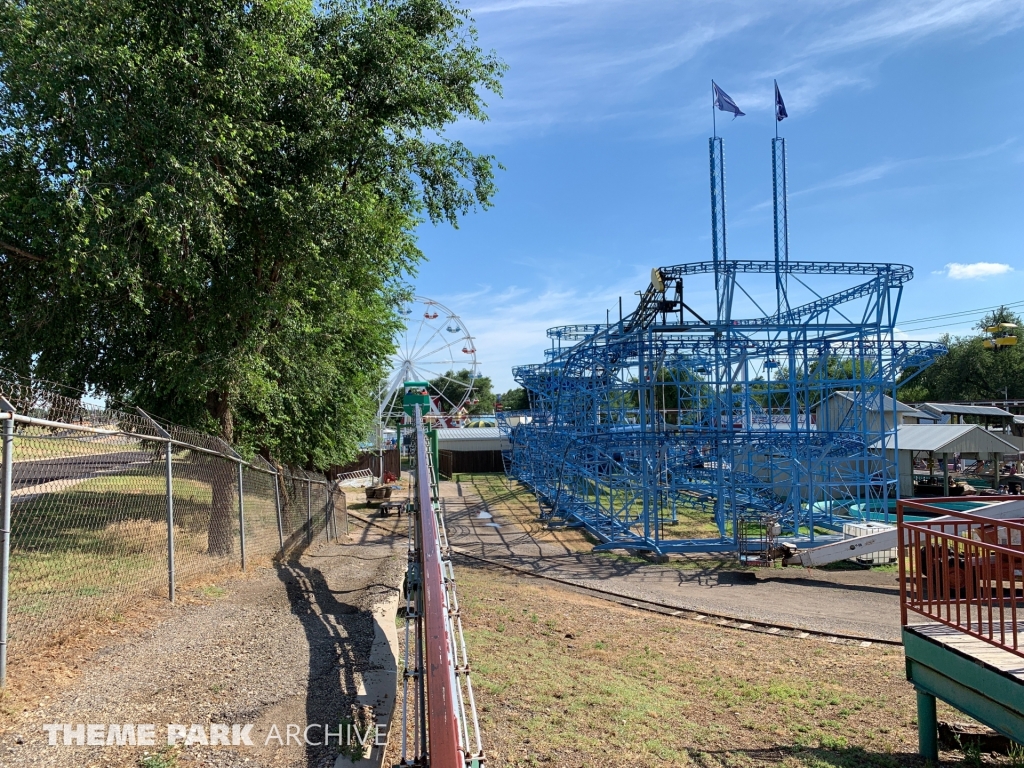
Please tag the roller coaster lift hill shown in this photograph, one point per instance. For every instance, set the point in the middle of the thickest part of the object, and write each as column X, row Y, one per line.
column 684, row 428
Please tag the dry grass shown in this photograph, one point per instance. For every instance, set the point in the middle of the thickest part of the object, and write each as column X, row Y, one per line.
column 37, row 443
column 568, row 680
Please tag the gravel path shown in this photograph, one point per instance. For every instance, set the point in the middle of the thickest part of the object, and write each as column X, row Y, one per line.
column 286, row 646
column 861, row 603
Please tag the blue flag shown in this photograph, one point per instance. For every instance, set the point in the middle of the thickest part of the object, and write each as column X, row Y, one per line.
column 780, row 106
column 725, row 103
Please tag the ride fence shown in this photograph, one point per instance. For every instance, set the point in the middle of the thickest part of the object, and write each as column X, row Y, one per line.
column 963, row 570
column 101, row 507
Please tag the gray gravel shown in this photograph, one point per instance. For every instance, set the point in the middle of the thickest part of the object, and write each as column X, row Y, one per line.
column 286, row 646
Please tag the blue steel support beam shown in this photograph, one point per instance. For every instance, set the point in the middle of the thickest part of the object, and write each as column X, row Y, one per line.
column 781, row 208
column 719, row 255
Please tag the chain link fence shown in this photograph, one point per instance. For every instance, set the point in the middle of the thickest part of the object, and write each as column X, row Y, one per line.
column 101, row 506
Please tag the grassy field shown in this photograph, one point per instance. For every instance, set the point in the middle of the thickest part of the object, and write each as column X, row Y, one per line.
column 694, row 520
column 38, row 443
column 101, row 530
column 93, row 547
column 567, row 680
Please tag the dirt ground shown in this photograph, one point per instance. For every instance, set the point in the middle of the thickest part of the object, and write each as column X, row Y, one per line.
column 281, row 645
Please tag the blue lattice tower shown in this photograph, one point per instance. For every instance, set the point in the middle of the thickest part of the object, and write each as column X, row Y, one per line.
column 780, row 206
column 719, row 253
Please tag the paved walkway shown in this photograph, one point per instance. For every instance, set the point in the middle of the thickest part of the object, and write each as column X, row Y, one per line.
column 861, row 603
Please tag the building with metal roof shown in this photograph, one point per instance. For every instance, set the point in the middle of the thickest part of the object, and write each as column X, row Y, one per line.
column 872, row 403
column 844, row 407
column 943, row 440
column 947, row 410
column 475, row 439
column 970, row 439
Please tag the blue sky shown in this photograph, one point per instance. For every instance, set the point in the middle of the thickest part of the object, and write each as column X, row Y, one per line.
column 904, row 143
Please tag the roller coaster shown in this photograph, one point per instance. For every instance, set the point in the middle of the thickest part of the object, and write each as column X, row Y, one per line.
column 764, row 414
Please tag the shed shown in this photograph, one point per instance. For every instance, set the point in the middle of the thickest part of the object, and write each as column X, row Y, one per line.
column 847, row 410
column 969, row 440
column 474, row 439
column 470, row 450
column 953, row 413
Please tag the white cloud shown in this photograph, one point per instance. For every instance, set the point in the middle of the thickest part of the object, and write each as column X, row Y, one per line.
column 912, row 20
column 579, row 62
column 958, row 271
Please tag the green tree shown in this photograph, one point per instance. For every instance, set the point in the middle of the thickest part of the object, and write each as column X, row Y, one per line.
column 516, row 399
column 207, row 207
column 454, row 386
column 970, row 371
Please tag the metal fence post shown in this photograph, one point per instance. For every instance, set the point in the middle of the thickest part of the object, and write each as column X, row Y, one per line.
column 170, row 501
column 241, row 513
column 329, row 490
column 5, row 534
column 309, row 511
column 170, row 525
column 277, row 504
column 327, row 512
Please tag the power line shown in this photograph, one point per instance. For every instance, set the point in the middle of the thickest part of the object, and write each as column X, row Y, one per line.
column 901, row 329
column 963, row 312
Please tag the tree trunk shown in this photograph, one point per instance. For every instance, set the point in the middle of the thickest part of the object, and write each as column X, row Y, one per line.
column 223, row 481
column 287, row 508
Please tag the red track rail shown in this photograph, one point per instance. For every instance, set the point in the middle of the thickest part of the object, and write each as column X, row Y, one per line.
column 442, row 723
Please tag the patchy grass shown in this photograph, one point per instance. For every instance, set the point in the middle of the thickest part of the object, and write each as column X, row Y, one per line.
column 693, row 521
column 165, row 758
column 515, row 501
column 94, row 547
column 101, row 533
column 568, row 680
column 520, row 505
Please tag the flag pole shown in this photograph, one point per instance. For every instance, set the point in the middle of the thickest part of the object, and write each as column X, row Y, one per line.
column 714, row 127
column 776, row 100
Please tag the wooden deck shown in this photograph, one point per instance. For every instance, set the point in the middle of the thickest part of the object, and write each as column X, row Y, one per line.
column 979, row 651
column 980, row 679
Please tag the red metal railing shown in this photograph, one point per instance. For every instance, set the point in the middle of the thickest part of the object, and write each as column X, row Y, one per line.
column 440, row 727
column 444, row 749
column 963, row 570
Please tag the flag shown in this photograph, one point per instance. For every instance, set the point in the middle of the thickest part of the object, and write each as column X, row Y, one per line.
column 724, row 102
column 780, row 106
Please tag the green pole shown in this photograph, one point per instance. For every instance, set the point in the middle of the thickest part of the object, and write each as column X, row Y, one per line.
column 927, row 727
column 434, row 457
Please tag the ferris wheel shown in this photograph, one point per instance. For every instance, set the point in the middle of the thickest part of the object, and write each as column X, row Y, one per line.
column 435, row 348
